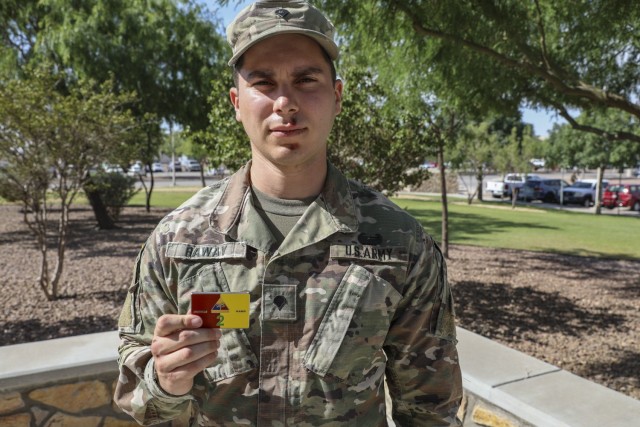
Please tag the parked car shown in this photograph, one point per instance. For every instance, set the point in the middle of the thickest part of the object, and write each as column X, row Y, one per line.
column 429, row 165
column 582, row 192
column 547, row 190
column 220, row 171
column 191, row 165
column 624, row 196
column 504, row 187
column 137, row 169
column 155, row 167
column 176, row 165
column 109, row 168
column 537, row 163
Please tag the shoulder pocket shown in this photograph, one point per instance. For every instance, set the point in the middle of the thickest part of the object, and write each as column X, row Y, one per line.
column 348, row 343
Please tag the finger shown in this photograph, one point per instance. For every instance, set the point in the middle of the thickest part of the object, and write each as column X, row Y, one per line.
column 193, row 368
column 162, row 345
column 167, row 324
column 181, row 359
column 180, row 380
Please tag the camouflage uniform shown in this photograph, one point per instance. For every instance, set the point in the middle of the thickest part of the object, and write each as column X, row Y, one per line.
column 366, row 299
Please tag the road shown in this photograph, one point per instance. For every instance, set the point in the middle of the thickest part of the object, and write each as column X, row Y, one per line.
column 183, row 179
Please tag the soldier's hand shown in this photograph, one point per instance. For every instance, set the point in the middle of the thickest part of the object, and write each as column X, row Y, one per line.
column 181, row 350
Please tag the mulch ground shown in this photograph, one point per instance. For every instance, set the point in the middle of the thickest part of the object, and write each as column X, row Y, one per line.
column 579, row 313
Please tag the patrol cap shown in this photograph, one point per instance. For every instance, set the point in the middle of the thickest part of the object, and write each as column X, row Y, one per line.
column 268, row 18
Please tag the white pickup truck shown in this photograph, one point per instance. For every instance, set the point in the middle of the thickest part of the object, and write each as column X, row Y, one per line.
column 582, row 192
column 505, row 187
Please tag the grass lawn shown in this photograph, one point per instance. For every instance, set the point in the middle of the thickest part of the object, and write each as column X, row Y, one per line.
column 549, row 230
column 169, row 197
column 494, row 225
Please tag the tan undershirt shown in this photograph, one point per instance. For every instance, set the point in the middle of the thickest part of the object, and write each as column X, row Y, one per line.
column 280, row 215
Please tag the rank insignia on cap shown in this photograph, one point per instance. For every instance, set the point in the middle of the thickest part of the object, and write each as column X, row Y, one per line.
column 282, row 13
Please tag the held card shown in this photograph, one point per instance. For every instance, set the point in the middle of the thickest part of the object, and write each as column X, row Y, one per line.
column 226, row 310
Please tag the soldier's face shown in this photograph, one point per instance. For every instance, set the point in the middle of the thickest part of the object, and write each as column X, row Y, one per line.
column 287, row 100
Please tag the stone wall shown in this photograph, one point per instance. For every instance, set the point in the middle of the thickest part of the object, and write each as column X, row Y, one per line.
column 85, row 403
column 70, row 382
column 88, row 402
column 476, row 412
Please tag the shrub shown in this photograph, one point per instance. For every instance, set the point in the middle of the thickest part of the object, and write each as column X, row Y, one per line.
column 113, row 189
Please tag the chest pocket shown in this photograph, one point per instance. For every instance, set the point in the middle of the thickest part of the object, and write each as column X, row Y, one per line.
column 348, row 343
column 235, row 356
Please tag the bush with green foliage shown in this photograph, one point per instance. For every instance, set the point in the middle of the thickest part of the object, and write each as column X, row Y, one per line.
column 114, row 190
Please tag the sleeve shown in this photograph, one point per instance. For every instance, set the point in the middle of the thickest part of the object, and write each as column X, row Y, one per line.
column 423, row 373
column 137, row 392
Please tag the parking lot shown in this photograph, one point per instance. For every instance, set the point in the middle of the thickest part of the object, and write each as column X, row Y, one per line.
column 192, row 179
column 570, row 208
column 612, row 177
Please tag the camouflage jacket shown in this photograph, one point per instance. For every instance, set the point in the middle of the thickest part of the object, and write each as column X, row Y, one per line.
column 367, row 300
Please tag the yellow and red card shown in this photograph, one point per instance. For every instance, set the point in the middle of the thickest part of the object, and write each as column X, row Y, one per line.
column 226, row 310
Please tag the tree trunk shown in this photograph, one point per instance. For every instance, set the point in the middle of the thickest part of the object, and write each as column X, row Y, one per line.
column 479, row 181
column 105, row 222
column 148, row 193
column 599, row 190
column 445, row 211
column 39, row 227
column 63, row 227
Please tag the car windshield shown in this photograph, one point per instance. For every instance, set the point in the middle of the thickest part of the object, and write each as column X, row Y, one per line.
column 582, row 185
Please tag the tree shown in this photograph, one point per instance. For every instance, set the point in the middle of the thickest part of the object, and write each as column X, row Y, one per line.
column 167, row 51
column 373, row 141
column 194, row 148
column 224, row 138
column 575, row 149
column 19, row 26
column 564, row 56
column 443, row 129
column 472, row 152
column 52, row 140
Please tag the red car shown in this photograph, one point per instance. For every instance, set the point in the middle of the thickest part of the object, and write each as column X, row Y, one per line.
column 624, row 195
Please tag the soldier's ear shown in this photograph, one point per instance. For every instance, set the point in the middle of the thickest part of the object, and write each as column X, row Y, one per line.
column 235, row 101
column 338, row 86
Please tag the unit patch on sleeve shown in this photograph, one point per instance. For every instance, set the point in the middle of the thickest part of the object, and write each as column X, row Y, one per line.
column 386, row 254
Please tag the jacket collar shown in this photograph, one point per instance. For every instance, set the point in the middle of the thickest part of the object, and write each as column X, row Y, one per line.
column 336, row 198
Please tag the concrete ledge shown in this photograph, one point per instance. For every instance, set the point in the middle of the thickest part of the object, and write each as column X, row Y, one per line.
column 537, row 392
column 37, row 363
column 533, row 392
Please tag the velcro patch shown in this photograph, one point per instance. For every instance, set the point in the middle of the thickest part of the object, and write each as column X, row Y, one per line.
column 279, row 302
column 386, row 254
column 230, row 250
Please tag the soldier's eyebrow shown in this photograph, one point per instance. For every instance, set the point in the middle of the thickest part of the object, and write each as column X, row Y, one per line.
column 259, row 74
column 306, row 71
column 297, row 73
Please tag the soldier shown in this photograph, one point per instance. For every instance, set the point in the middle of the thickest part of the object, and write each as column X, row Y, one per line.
column 347, row 292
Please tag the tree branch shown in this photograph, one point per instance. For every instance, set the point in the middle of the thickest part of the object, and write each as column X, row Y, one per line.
column 580, row 91
column 543, row 37
column 610, row 136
